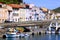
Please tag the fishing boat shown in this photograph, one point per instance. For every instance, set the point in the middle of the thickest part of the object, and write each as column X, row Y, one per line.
column 11, row 33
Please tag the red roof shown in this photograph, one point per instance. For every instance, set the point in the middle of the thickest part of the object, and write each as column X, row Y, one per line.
column 16, row 5
column 1, row 3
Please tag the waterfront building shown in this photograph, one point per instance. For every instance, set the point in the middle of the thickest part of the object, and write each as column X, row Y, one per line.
column 3, row 12
column 49, row 14
column 25, row 12
column 18, row 12
column 53, row 15
column 57, row 15
column 37, row 14
column 31, row 13
column 15, row 12
column 45, row 11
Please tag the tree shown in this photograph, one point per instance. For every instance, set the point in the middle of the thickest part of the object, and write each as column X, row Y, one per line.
column 20, row 1
column 12, row 1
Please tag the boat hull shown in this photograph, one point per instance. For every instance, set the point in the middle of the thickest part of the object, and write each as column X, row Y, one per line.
column 12, row 35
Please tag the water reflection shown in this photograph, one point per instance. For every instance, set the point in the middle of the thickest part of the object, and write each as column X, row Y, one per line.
column 25, row 38
column 54, row 37
column 11, row 38
column 37, row 37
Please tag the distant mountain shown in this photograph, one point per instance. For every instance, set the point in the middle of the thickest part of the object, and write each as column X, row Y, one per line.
column 12, row 1
column 57, row 9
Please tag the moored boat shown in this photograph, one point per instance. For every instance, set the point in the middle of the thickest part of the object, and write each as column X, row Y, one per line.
column 11, row 33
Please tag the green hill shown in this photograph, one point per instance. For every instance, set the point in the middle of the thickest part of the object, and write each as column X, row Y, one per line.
column 12, row 1
column 57, row 9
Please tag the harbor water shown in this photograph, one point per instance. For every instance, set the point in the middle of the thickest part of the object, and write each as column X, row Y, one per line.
column 37, row 37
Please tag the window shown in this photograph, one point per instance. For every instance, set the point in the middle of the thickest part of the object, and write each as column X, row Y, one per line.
column 15, row 8
column 18, row 19
column 1, row 15
column 2, row 19
column 53, row 24
column 33, row 10
column 15, row 19
column 27, row 7
column 0, row 6
column 15, row 14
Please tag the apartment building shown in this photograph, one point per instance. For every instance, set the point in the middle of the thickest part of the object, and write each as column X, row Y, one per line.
column 25, row 13
column 51, row 15
column 14, row 14
column 57, row 15
column 3, row 12
column 36, row 13
column 20, row 12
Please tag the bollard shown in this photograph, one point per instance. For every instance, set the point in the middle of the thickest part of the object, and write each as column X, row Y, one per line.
column 39, row 33
column 32, row 33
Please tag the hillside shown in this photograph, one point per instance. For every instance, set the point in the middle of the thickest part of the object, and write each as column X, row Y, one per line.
column 57, row 9
column 11, row 1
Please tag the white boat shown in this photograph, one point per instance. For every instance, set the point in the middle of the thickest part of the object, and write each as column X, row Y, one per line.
column 24, row 35
column 11, row 33
column 21, row 35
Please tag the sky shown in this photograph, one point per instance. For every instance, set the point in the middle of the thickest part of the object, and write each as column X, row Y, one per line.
column 50, row 4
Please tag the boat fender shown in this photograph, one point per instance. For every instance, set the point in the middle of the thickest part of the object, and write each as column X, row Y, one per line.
column 4, row 36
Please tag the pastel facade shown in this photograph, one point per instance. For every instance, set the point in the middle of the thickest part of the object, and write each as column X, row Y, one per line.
column 52, row 15
column 14, row 13
column 36, row 14
column 3, row 13
column 18, row 13
column 58, row 15
column 24, row 12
